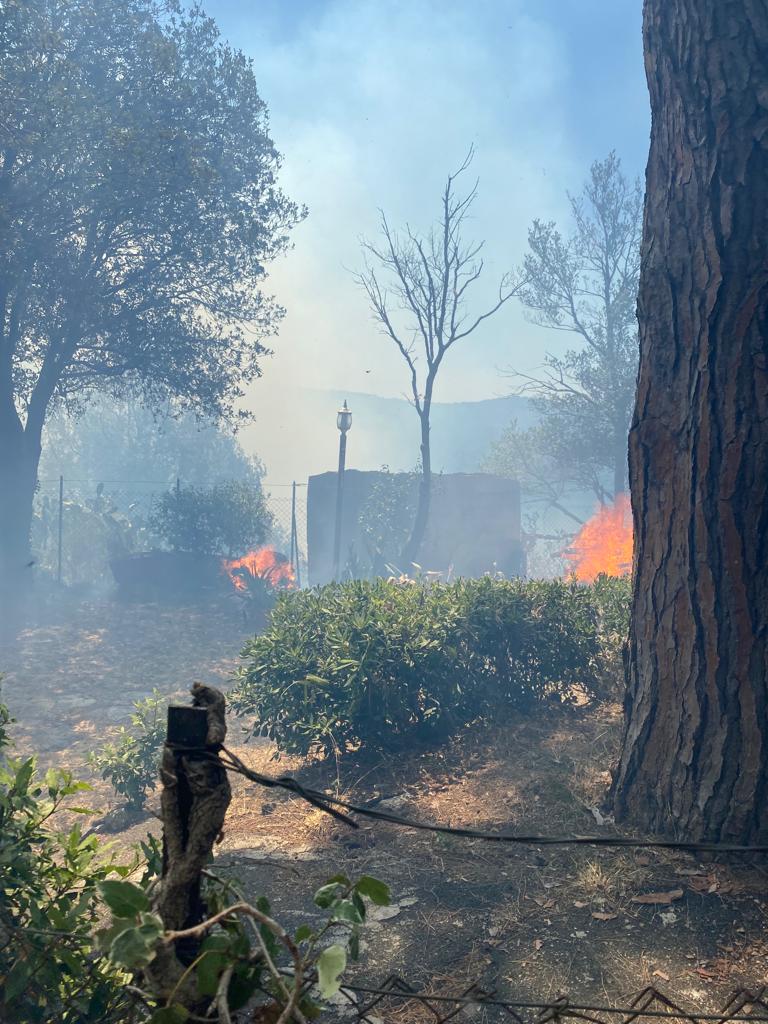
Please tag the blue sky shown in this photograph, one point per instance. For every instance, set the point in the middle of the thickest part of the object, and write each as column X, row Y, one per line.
column 599, row 42
column 373, row 103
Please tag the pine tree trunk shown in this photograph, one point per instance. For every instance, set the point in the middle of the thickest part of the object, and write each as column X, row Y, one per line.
column 695, row 755
column 620, row 464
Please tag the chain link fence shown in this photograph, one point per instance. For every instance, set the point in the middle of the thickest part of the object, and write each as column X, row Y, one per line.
column 80, row 524
column 288, row 505
column 547, row 535
column 395, row 999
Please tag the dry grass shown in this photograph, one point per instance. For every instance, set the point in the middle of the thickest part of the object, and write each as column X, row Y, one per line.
column 607, row 878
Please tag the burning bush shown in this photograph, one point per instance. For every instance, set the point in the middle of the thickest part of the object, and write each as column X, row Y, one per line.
column 258, row 577
column 603, row 546
column 376, row 663
column 265, row 564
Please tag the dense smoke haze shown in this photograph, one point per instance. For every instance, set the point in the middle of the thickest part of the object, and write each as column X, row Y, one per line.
column 372, row 104
column 383, row 531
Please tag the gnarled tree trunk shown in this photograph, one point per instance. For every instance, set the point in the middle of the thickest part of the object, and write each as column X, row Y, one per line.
column 19, row 458
column 695, row 756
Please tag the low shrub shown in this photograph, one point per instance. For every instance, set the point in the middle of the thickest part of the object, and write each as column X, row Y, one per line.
column 130, row 762
column 346, row 662
column 381, row 662
column 76, row 933
column 50, row 970
column 612, row 598
column 612, row 595
column 524, row 642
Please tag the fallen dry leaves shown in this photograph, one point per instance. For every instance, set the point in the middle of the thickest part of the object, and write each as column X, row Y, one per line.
column 710, row 884
column 659, row 899
column 714, row 970
column 542, row 901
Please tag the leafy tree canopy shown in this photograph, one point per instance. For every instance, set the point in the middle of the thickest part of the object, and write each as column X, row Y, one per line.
column 124, row 443
column 584, row 283
column 139, row 206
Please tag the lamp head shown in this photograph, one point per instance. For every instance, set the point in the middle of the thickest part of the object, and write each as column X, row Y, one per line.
column 344, row 419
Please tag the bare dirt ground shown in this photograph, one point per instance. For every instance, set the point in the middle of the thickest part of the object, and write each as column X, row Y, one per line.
column 597, row 925
column 74, row 673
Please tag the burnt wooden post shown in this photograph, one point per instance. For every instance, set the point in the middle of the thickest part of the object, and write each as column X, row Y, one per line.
column 194, row 801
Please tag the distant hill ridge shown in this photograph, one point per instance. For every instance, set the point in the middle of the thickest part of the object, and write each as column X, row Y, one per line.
column 385, row 431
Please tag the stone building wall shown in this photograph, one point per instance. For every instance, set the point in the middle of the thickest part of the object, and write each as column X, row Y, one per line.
column 474, row 526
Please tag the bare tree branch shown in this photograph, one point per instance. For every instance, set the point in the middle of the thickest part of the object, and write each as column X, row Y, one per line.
column 424, row 311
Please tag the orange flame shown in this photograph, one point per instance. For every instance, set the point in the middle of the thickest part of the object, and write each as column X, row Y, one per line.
column 604, row 543
column 263, row 564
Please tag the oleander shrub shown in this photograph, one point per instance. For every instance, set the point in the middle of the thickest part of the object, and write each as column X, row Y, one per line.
column 612, row 596
column 352, row 661
column 379, row 663
column 527, row 641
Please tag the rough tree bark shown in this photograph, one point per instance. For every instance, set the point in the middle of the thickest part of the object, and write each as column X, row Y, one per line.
column 194, row 801
column 412, row 546
column 620, row 467
column 695, row 755
column 19, row 459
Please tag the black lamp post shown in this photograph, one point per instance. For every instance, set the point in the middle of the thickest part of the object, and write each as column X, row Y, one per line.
column 343, row 422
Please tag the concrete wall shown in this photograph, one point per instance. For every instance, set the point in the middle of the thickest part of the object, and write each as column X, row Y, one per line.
column 474, row 524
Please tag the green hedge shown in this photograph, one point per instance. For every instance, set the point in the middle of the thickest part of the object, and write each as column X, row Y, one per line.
column 379, row 663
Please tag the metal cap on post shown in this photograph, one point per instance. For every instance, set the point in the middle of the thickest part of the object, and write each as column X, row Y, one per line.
column 187, row 726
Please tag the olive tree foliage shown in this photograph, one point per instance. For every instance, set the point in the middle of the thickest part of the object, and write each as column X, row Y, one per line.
column 138, row 210
column 417, row 288
column 126, row 444
column 585, row 284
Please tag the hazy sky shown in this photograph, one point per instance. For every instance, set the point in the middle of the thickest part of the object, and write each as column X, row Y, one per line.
column 373, row 102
